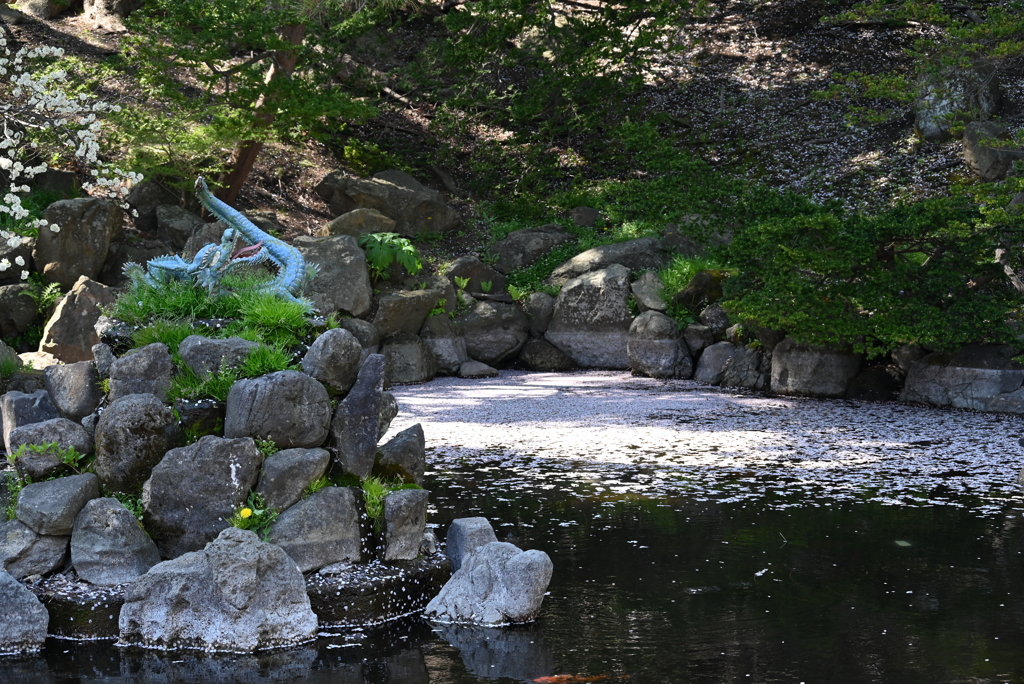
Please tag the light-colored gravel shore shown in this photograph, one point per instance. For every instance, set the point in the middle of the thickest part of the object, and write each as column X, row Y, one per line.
column 622, row 433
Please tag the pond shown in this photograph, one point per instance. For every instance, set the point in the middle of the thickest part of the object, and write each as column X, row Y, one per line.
column 687, row 583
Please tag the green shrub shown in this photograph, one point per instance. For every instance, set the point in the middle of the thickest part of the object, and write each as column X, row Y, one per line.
column 916, row 274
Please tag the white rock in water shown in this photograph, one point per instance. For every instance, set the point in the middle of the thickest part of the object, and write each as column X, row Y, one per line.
column 497, row 584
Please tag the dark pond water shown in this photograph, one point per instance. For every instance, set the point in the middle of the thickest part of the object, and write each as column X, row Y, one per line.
column 674, row 590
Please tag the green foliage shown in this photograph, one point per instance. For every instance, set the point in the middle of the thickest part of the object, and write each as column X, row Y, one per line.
column 461, row 282
column 552, row 67
column 130, row 502
column 71, row 461
column 15, row 484
column 9, row 363
column 187, row 385
column 266, row 359
column 254, row 515
column 439, row 308
column 375, row 490
column 916, row 274
column 676, row 276
column 105, row 385
column 223, row 51
column 266, row 447
column 485, row 286
column 952, row 39
column 44, row 296
column 278, row 322
column 316, row 485
column 383, row 249
column 171, row 333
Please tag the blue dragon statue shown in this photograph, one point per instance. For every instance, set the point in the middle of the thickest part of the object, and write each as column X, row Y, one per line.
column 212, row 262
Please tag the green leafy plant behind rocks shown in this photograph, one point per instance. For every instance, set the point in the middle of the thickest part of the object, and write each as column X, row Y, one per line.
column 384, row 249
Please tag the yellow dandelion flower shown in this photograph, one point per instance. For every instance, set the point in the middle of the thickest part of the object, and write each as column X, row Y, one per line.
column 245, row 512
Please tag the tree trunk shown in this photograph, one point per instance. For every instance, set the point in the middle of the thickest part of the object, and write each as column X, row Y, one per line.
column 244, row 155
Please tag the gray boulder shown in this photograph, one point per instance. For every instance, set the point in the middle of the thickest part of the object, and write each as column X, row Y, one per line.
column 109, row 546
column 497, row 584
column 206, row 355
column 194, row 490
column 130, row 249
column 237, row 594
column 69, row 334
column 144, row 199
column 18, row 409
column 321, row 529
column 103, row 359
column 367, row 335
column 176, row 224
column 107, row 15
column 343, row 282
column 636, row 255
column 990, row 163
column 404, row 456
column 415, row 209
column 288, row 407
column 647, row 291
column 698, row 337
column 357, row 420
column 286, row 474
column 945, row 96
column 24, row 552
column 405, row 520
column 475, row 369
column 388, row 412
column 591, row 320
column 812, row 371
column 74, row 388
column 703, row 289
column 204, row 235
column 540, row 307
column 146, row 370
column 717, row 321
column 88, row 226
column 466, row 535
column 544, row 357
column 584, row 217
column 403, row 311
column 132, row 435
column 713, row 362
column 656, row 349
column 359, row 222
column 746, row 368
column 494, row 332
column 333, row 359
column 477, row 273
column 905, row 356
column 17, row 310
column 980, row 378
column 39, row 464
column 523, row 248
column 444, row 339
column 50, row 507
column 24, row 622
column 408, row 359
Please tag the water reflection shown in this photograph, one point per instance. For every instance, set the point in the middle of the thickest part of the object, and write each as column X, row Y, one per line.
column 519, row 653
